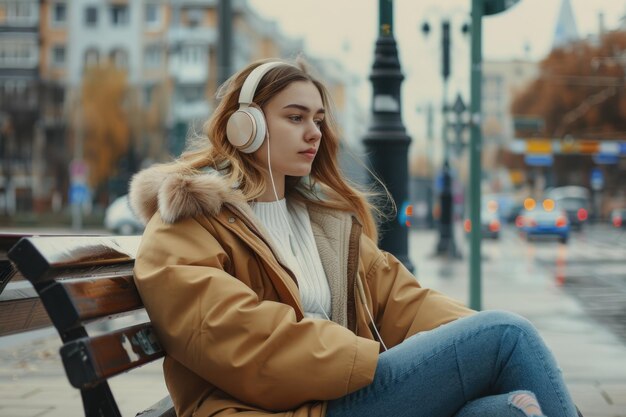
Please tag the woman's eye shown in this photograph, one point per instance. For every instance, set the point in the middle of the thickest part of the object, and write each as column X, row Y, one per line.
column 319, row 122
column 295, row 118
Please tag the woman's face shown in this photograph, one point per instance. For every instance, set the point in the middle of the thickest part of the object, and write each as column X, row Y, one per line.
column 293, row 117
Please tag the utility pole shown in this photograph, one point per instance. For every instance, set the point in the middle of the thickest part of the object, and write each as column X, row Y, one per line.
column 386, row 141
column 480, row 8
column 225, row 40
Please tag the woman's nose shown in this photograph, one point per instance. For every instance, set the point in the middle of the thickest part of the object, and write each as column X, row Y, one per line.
column 314, row 133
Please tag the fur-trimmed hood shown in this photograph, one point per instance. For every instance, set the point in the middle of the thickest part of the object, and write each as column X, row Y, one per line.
column 178, row 195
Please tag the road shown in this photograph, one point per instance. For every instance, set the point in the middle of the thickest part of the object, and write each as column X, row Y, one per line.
column 591, row 267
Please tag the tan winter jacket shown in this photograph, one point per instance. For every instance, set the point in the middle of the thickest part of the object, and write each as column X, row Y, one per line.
column 227, row 310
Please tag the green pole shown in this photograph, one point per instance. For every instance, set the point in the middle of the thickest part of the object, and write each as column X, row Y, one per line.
column 385, row 17
column 475, row 152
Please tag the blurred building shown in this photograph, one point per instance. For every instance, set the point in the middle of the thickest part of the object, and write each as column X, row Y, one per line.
column 19, row 110
column 501, row 81
column 192, row 58
column 168, row 51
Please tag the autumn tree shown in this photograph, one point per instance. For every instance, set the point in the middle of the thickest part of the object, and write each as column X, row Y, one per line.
column 104, row 120
column 153, row 129
column 580, row 90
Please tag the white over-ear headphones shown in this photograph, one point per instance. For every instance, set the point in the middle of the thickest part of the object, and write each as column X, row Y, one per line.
column 246, row 128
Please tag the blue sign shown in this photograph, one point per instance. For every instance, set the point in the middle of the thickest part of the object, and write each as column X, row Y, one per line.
column 622, row 148
column 596, row 179
column 605, row 159
column 539, row 160
column 79, row 193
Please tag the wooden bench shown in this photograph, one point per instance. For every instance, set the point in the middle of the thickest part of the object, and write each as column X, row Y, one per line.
column 69, row 282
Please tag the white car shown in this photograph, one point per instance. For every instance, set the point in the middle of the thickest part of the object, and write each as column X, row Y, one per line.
column 120, row 219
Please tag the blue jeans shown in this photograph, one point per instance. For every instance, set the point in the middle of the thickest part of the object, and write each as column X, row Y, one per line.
column 491, row 364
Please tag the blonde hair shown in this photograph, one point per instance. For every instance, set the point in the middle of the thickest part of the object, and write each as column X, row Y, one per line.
column 326, row 185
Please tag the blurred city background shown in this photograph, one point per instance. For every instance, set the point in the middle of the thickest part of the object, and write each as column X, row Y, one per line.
column 91, row 91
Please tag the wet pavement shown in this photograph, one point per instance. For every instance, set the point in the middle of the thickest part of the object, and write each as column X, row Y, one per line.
column 537, row 281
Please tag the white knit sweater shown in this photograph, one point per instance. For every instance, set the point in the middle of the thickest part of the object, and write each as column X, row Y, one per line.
column 296, row 244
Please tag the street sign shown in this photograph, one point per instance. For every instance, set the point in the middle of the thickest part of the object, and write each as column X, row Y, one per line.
column 538, row 146
column 605, row 159
column 78, row 193
column 539, row 160
column 78, row 168
column 528, row 124
column 497, row 6
column 596, row 179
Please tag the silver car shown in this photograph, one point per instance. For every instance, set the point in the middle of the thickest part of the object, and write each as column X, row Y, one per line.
column 120, row 219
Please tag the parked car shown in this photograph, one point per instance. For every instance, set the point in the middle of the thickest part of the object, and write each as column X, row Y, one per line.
column 618, row 218
column 120, row 219
column 489, row 224
column 542, row 222
column 575, row 201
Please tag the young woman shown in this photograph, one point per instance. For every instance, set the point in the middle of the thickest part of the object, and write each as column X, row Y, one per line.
column 260, row 271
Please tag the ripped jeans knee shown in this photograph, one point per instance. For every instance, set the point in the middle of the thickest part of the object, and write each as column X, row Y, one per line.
column 526, row 402
column 512, row 404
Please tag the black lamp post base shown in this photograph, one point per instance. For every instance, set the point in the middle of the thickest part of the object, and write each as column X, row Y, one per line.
column 447, row 247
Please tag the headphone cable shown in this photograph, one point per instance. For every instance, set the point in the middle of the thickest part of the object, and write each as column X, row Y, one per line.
column 291, row 244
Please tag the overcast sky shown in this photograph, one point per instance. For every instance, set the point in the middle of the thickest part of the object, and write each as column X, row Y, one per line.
column 328, row 25
column 346, row 30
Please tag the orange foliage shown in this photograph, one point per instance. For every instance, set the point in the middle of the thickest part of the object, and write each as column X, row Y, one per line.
column 105, row 121
column 580, row 90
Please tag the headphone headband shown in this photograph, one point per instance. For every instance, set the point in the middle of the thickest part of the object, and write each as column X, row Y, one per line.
column 246, row 96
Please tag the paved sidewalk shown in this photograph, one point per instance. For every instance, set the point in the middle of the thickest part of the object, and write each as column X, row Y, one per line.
column 33, row 383
column 592, row 358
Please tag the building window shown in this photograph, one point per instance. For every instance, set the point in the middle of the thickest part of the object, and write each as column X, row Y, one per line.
column 191, row 54
column 22, row 12
column 152, row 16
column 194, row 16
column 18, row 53
column 192, row 93
column 119, row 57
column 153, row 57
column 92, row 58
column 119, row 15
column 148, row 93
column 58, row 55
column 59, row 13
column 91, row 16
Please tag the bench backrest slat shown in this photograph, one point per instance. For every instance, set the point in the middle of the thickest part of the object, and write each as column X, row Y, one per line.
column 7, row 273
column 90, row 360
column 41, row 259
column 73, row 302
column 21, row 315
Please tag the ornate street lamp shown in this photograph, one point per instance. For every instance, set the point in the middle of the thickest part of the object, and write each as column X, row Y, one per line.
column 446, row 244
column 386, row 141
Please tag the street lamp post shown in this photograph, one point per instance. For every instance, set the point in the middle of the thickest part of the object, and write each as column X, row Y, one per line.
column 446, row 244
column 386, row 141
column 225, row 40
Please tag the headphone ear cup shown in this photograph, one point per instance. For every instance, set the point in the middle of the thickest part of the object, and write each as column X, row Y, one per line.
column 259, row 132
column 246, row 129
